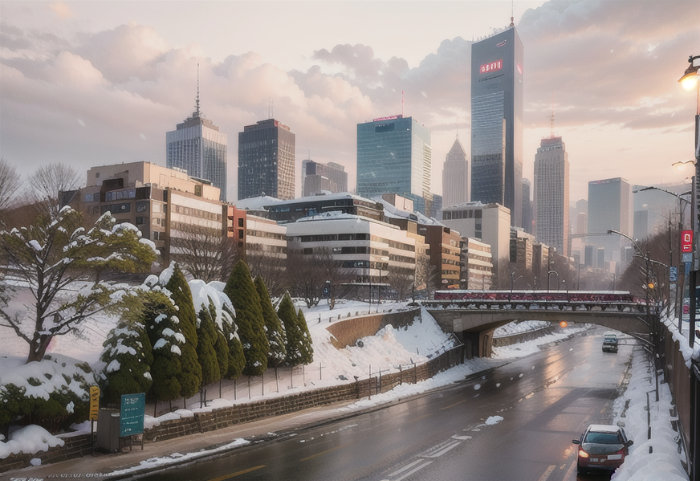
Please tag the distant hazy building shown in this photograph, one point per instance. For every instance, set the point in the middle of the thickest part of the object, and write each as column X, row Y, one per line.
column 552, row 194
column 266, row 155
column 317, row 177
column 198, row 148
column 527, row 207
column 653, row 208
column 609, row 207
column 394, row 157
column 455, row 176
column 497, row 121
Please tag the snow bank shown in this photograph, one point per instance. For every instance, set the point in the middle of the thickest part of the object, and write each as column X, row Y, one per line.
column 29, row 439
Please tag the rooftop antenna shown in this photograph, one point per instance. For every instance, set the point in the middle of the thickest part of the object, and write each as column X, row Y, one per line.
column 196, row 112
column 512, row 16
column 552, row 121
column 402, row 103
column 270, row 108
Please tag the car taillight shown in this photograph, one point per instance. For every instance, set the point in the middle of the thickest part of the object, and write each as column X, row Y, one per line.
column 621, row 451
column 582, row 453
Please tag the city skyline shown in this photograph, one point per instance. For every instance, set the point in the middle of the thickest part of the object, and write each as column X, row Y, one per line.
column 94, row 83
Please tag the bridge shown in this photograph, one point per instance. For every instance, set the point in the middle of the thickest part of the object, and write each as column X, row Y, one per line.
column 474, row 321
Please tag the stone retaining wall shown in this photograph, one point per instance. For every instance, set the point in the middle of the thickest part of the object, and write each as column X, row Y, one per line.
column 347, row 332
column 522, row 336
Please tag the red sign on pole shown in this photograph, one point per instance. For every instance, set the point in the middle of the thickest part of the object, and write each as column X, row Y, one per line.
column 687, row 241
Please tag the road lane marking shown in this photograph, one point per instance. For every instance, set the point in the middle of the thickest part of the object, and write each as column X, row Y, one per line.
column 461, row 438
column 408, row 466
column 326, row 451
column 414, row 470
column 444, row 450
column 418, row 418
column 547, row 472
column 229, row 476
column 452, row 405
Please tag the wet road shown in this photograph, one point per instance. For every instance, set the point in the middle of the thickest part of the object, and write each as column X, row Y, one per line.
column 546, row 400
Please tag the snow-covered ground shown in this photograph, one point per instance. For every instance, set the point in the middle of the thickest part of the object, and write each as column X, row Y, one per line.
column 386, row 351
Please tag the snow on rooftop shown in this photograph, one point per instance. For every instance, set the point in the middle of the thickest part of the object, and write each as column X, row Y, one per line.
column 393, row 212
column 257, row 203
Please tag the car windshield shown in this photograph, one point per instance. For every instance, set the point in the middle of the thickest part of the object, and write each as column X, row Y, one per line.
column 602, row 438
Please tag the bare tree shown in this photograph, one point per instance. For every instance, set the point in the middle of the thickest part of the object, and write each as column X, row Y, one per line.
column 309, row 274
column 46, row 183
column 272, row 268
column 9, row 186
column 400, row 279
column 204, row 252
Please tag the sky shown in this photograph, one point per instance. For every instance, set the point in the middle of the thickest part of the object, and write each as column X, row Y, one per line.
column 100, row 82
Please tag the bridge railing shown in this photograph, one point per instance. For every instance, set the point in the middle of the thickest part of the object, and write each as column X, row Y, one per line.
column 489, row 304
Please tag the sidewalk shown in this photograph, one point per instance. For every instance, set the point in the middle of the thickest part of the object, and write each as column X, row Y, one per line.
column 100, row 464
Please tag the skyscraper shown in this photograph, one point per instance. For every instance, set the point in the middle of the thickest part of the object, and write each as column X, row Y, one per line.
column 455, row 176
column 609, row 207
column 317, row 177
column 198, row 147
column 552, row 194
column 497, row 127
column 394, row 157
column 527, row 207
column 266, row 160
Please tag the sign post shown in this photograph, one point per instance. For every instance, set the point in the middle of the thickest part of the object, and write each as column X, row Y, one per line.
column 133, row 409
column 94, row 410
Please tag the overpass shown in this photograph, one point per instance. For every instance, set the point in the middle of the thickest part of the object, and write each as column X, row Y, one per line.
column 474, row 321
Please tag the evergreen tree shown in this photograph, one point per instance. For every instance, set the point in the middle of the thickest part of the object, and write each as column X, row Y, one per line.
column 236, row 356
column 273, row 327
column 165, row 333
column 249, row 319
column 206, row 350
column 128, row 355
column 191, row 377
column 293, row 334
column 306, row 347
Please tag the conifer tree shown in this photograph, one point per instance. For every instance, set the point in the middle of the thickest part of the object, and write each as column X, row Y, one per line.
column 249, row 319
column 206, row 351
column 273, row 327
column 293, row 334
column 128, row 355
column 306, row 347
column 236, row 356
column 165, row 334
column 191, row 377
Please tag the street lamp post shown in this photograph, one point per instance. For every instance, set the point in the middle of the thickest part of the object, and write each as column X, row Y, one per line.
column 512, row 281
column 548, row 274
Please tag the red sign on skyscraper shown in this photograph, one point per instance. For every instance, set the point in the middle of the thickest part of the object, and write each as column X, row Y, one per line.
column 687, row 241
column 491, row 66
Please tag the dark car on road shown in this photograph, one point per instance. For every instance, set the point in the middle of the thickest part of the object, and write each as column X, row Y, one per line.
column 610, row 342
column 602, row 447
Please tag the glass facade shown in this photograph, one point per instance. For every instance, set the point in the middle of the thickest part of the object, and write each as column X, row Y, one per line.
column 497, row 112
column 393, row 157
column 266, row 157
column 198, row 147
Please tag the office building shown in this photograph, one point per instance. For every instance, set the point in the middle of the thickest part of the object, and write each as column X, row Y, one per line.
column 394, row 157
column 266, row 156
column 199, row 149
column 552, row 194
column 609, row 208
column 455, row 176
column 528, row 221
column 497, row 122
column 317, row 178
column 477, row 268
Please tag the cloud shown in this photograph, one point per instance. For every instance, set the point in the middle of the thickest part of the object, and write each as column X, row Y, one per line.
column 61, row 10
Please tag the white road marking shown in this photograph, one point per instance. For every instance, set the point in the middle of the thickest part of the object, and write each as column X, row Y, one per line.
column 444, row 450
column 461, row 438
column 547, row 472
column 408, row 466
column 414, row 470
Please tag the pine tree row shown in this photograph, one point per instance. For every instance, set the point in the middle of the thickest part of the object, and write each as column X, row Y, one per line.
column 175, row 337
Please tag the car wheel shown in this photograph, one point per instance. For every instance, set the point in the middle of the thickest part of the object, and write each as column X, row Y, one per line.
column 579, row 470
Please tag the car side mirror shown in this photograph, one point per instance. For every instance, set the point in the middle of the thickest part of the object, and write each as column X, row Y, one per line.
column 629, row 443
column 576, row 441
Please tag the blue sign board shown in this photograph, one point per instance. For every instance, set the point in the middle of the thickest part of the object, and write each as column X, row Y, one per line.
column 673, row 274
column 131, row 415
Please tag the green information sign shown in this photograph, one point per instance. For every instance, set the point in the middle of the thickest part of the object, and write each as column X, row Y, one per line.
column 131, row 414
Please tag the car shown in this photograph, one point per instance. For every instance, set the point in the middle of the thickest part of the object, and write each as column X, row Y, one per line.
column 602, row 447
column 609, row 342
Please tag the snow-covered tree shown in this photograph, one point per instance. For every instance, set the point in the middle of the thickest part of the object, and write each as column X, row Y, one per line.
column 273, row 327
column 128, row 355
column 181, row 295
column 249, row 319
column 236, row 355
column 293, row 335
column 51, row 256
column 306, row 347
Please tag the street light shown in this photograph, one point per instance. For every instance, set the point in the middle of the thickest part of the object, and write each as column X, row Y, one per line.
column 548, row 274
column 512, row 281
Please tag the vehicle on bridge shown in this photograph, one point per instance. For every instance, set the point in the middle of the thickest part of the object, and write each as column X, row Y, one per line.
column 507, row 295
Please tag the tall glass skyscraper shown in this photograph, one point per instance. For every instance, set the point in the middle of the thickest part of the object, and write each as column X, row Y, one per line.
column 266, row 156
column 198, row 147
column 393, row 157
column 497, row 126
column 455, row 176
column 609, row 207
column 552, row 194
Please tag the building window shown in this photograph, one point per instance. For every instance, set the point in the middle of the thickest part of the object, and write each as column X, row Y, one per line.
column 141, row 206
column 308, row 251
column 240, row 222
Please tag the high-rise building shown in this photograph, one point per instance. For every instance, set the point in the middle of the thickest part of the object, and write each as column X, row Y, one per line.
column 317, row 177
column 552, row 194
column 455, row 176
column 394, row 157
column 527, row 207
column 266, row 160
column 497, row 121
column 609, row 208
column 198, row 148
